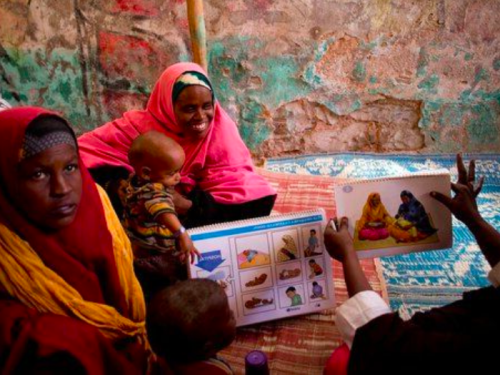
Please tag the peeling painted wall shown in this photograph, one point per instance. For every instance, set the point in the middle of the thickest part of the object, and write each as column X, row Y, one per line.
column 298, row 76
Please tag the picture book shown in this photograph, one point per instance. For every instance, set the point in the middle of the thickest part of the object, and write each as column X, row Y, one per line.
column 396, row 215
column 271, row 267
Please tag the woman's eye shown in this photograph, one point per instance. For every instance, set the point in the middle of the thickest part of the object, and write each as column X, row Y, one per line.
column 207, row 106
column 71, row 168
column 38, row 175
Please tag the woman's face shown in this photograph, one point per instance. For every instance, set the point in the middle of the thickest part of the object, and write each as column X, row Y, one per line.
column 48, row 187
column 375, row 201
column 194, row 111
column 405, row 199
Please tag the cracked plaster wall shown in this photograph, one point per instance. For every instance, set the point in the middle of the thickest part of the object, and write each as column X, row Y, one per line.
column 298, row 76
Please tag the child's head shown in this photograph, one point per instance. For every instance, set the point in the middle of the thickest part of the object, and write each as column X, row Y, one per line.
column 190, row 321
column 313, row 232
column 315, row 283
column 291, row 291
column 312, row 262
column 156, row 158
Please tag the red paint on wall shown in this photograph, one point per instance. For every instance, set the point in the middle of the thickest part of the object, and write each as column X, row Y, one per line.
column 123, row 56
column 259, row 4
column 149, row 8
column 183, row 24
column 116, row 103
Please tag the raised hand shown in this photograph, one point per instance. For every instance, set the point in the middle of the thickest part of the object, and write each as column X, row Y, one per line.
column 338, row 242
column 463, row 205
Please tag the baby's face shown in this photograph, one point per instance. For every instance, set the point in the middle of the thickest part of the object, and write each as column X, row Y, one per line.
column 167, row 171
column 168, row 177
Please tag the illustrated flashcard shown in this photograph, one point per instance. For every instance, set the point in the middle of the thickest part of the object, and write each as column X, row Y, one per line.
column 256, row 303
column 253, row 251
column 257, row 278
column 222, row 276
column 379, row 228
column 317, row 290
column 289, row 272
column 292, row 296
column 316, row 267
column 261, row 264
column 311, row 236
column 286, row 245
column 396, row 215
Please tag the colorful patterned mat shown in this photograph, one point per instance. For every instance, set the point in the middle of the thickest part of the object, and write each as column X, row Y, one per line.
column 417, row 282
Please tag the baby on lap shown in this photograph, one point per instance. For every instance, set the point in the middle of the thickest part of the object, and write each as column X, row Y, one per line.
column 161, row 244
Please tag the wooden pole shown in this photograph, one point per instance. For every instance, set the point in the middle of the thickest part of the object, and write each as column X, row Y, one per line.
column 197, row 32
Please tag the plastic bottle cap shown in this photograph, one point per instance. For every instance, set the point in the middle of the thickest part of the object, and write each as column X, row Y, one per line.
column 256, row 363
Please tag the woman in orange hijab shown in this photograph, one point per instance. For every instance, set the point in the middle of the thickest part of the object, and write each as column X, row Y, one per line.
column 375, row 219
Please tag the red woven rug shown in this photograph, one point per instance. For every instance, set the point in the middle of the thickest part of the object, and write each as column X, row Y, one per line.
column 300, row 345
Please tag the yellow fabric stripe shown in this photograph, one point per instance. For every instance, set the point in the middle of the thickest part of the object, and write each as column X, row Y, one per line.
column 24, row 276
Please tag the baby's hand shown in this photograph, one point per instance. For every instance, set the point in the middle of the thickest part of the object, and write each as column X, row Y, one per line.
column 187, row 248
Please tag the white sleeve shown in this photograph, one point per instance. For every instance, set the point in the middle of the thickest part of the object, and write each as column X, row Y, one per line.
column 494, row 275
column 357, row 311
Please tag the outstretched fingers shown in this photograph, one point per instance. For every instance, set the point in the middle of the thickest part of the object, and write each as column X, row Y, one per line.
column 462, row 171
column 472, row 172
column 477, row 190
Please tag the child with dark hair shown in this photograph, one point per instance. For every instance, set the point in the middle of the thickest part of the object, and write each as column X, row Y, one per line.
column 161, row 244
column 316, row 269
column 188, row 323
column 295, row 298
column 312, row 244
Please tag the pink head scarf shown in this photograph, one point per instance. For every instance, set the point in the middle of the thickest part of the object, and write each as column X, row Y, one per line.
column 219, row 164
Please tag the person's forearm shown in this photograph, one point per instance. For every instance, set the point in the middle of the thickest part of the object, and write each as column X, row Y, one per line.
column 182, row 205
column 488, row 239
column 169, row 221
column 354, row 276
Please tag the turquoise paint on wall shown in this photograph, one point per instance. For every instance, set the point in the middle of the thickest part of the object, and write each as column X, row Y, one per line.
column 279, row 82
column 51, row 80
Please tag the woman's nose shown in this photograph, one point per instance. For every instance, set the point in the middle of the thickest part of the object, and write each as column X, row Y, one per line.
column 199, row 114
column 59, row 185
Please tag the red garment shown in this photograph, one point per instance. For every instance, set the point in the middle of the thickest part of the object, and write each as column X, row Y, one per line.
column 338, row 361
column 33, row 343
column 81, row 253
column 219, row 164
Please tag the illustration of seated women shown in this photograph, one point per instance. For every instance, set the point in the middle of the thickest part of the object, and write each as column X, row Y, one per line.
column 374, row 222
column 412, row 222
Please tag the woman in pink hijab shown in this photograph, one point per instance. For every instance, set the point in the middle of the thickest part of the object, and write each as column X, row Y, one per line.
column 218, row 181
